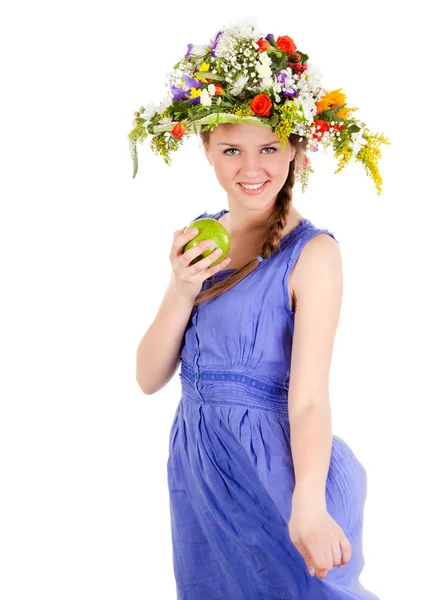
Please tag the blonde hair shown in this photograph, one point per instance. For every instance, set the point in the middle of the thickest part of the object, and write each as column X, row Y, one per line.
column 276, row 223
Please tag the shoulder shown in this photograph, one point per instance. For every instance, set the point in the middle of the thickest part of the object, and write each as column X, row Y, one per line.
column 318, row 268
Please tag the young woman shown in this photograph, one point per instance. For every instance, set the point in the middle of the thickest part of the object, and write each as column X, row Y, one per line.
column 266, row 503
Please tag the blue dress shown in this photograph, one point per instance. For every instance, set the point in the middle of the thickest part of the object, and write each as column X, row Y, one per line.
column 230, row 468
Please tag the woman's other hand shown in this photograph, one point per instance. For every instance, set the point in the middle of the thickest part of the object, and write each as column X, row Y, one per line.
column 318, row 537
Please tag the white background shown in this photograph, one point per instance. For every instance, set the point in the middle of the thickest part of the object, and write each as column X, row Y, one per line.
column 84, row 266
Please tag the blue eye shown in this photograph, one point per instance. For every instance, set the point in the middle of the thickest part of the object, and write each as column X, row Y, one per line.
column 267, row 148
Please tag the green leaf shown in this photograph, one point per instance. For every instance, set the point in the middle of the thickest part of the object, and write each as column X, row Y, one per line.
column 209, row 75
column 134, row 156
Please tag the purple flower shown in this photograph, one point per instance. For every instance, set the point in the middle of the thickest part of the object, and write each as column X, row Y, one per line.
column 214, row 45
column 281, row 76
column 271, row 39
column 290, row 94
column 195, row 100
column 192, row 83
column 178, row 93
column 188, row 52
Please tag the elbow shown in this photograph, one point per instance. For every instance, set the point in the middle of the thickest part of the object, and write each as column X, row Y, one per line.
column 144, row 387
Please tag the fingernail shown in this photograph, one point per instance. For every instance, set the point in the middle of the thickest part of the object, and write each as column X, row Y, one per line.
column 312, row 571
column 192, row 231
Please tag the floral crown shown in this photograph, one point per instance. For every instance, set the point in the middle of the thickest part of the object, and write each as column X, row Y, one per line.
column 243, row 77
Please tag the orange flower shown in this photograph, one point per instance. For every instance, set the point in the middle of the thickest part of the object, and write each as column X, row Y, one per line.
column 218, row 89
column 178, row 130
column 286, row 44
column 331, row 100
column 263, row 45
column 261, row 105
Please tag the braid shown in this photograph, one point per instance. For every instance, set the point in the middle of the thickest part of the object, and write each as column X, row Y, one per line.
column 276, row 224
column 279, row 215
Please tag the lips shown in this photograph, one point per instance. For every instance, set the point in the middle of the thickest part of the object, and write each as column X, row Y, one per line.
column 246, row 183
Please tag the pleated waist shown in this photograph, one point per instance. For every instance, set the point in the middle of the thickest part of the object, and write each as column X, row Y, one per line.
column 237, row 387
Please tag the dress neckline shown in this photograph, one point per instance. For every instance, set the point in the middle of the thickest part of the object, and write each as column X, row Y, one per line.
column 261, row 260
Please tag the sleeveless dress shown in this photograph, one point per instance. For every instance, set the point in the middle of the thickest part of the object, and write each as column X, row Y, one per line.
column 230, row 468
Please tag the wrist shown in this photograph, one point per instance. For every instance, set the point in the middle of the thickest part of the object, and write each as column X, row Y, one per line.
column 309, row 496
column 183, row 301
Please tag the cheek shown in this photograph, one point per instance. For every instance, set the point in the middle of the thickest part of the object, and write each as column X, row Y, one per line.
column 225, row 173
column 279, row 170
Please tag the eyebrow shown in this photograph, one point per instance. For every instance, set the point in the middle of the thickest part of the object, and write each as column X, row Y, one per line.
column 238, row 145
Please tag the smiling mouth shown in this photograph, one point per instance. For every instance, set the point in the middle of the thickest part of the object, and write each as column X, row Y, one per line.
column 253, row 185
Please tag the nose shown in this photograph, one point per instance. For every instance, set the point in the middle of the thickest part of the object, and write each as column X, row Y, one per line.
column 251, row 167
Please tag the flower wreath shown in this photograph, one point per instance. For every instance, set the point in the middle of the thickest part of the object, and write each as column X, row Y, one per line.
column 243, row 77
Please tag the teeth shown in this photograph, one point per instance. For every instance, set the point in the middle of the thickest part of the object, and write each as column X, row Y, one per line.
column 253, row 187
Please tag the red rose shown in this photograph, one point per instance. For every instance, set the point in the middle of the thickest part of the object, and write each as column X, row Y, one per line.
column 286, row 44
column 263, row 45
column 261, row 105
column 178, row 130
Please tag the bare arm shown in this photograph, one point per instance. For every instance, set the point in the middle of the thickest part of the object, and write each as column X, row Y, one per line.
column 158, row 353
column 318, row 289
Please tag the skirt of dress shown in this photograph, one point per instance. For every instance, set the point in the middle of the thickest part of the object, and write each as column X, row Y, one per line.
column 231, row 480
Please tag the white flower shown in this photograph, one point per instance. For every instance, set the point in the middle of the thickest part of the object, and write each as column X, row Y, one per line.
column 233, row 36
column 199, row 50
column 205, row 98
column 307, row 106
column 150, row 110
column 245, row 28
column 211, row 89
column 165, row 103
column 357, row 141
column 165, row 121
column 263, row 70
column 239, row 84
column 314, row 76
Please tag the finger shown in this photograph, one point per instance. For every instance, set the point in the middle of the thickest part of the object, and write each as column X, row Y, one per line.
column 336, row 551
column 346, row 550
column 178, row 232
column 306, row 556
column 314, row 557
column 322, row 559
column 180, row 239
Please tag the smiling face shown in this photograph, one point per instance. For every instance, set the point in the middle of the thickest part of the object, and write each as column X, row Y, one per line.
column 243, row 153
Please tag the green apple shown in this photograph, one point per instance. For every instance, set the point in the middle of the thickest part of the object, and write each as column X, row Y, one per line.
column 209, row 229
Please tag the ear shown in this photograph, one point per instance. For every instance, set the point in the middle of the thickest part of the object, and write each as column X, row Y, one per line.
column 292, row 152
column 207, row 153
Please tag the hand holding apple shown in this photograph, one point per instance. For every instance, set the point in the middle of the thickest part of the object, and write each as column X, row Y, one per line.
column 192, row 257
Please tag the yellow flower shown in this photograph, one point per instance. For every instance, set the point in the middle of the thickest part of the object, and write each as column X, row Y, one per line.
column 203, row 67
column 330, row 100
column 195, row 92
column 333, row 99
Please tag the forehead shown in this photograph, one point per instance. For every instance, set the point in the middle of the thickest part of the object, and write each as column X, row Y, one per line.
column 242, row 134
